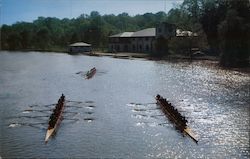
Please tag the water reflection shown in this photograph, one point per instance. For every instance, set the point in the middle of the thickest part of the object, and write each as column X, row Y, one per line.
column 215, row 102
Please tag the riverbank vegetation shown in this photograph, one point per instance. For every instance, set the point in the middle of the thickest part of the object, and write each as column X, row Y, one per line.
column 223, row 27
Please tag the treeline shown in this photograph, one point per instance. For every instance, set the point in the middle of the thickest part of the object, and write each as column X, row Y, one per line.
column 223, row 27
column 50, row 33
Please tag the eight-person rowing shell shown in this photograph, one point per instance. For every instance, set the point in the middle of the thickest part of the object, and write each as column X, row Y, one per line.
column 174, row 116
column 55, row 117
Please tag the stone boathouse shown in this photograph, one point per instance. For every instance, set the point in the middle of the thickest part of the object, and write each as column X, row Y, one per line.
column 144, row 41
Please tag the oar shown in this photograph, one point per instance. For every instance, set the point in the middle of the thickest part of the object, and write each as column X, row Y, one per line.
column 28, row 124
column 67, row 101
column 35, row 110
column 49, row 105
column 141, row 109
column 163, row 123
column 70, row 119
column 74, row 106
column 88, row 119
column 156, row 115
column 30, row 116
column 79, row 72
column 142, row 103
column 35, row 105
column 70, row 112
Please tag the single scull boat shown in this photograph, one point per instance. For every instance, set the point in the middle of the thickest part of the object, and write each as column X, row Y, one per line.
column 90, row 73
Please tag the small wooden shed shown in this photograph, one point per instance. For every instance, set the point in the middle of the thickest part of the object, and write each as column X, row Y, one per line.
column 80, row 47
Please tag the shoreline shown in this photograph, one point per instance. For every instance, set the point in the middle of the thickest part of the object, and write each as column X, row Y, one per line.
column 122, row 55
column 130, row 55
column 207, row 60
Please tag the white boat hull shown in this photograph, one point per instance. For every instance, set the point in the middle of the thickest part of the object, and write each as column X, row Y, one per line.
column 49, row 133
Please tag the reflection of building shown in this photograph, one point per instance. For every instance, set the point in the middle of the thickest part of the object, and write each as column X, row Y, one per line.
column 79, row 47
column 141, row 41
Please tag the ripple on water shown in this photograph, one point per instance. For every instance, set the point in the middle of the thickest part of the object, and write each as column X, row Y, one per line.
column 141, row 124
column 26, row 112
column 140, row 116
column 13, row 125
column 90, row 107
column 138, row 110
column 89, row 101
column 215, row 102
column 89, row 119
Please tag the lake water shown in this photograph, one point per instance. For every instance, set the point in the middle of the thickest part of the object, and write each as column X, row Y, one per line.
column 114, row 114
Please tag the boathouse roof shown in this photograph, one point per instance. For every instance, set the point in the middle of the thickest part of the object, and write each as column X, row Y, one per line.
column 124, row 34
column 80, row 44
column 149, row 32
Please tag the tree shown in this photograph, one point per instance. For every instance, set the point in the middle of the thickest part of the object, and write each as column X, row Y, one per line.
column 14, row 41
column 5, row 31
column 213, row 12
column 43, row 40
column 234, row 37
column 25, row 38
column 161, row 47
column 75, row 38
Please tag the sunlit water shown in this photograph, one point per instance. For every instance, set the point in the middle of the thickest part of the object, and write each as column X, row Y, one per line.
column 113, row 114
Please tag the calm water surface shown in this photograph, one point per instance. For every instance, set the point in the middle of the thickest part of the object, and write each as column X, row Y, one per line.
column 113, row 114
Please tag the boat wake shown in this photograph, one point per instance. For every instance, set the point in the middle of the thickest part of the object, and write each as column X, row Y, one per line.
column 34, row 125
column 37, row 115
column 146, row 114
column 14, row 125
column 150, row 115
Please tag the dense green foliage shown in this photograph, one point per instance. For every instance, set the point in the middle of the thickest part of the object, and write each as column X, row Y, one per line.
column 223, row 27
column 222, row 24
column 51, row 33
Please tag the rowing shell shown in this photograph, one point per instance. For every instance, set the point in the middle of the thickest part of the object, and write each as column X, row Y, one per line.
column 189, row 132
column 90, row 73
column 186, row 130
column 51, row 131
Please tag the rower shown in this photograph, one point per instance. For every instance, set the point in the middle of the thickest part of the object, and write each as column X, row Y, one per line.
column 52, row 116
column 58, row 103
column 52, row 122
column 158, row 96
column 62, row 97
column 56, row 111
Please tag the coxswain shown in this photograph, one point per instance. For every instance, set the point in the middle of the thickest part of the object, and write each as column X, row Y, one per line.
column 158, row 96
column 62, row 97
